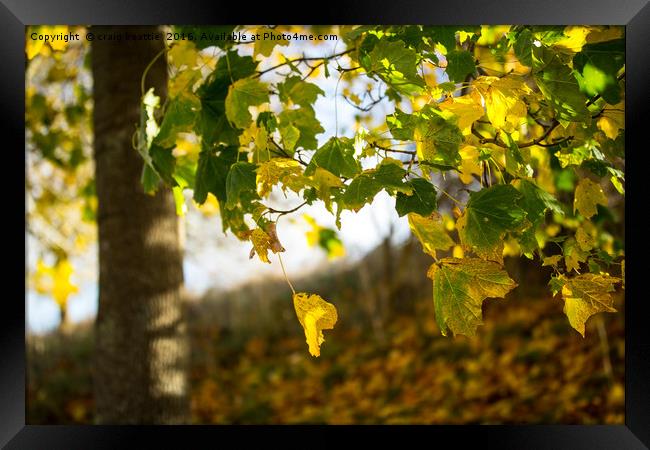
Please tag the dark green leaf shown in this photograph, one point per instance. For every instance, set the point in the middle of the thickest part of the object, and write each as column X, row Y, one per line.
column 422, row 200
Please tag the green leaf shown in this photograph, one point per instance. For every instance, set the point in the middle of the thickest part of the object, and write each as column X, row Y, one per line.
column 212, row 172
column 304, row 119
column 523, row 47
column 515, row 164
column 290, row 136
column 560, row 87
column 536, row 201
column 150, row 179
column 422, row 200
column 445, row 35
column 401, row 125
column 490, row 213
column 388, row 175
column 243, row 94
column 396, row 64
column 298, row 91
column 213, row 123
column 459, row 288
column 241, row 187
column 460, row 63
column 596, row 68
column 393, row 57
column 179, row 117
column 336, row 156
column 438, row 140
column 164, row 162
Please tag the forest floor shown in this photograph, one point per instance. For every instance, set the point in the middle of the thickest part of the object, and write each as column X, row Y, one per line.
column 526, row 365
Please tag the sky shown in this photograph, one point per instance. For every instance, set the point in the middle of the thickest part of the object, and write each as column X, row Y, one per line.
column 215, row 260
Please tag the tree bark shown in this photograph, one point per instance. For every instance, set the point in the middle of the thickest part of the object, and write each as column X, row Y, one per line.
column 141, row 351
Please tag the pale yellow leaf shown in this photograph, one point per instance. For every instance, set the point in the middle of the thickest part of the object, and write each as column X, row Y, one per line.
column 315, row 315
column 587, row 195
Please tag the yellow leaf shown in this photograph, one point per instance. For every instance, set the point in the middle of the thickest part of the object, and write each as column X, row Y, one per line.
column 211, row 205
column 57, row 45
column 279, row 170
column 183, row 53
column 573, row 256
column 586, row 295
column 33, row 47
column 575, row 38
column 612, row 120
column 605, row 34
column 263, row 241
column 315, row 315
column 466, row 109
column 183, row 83
column 586, row 236
column 587, row 195
column 470, row 164
column 431, row 233
column 503, row 100
column 551, row 260
column 458, row 252
column 324, row 181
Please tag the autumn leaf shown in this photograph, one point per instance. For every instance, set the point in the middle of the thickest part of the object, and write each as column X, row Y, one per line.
column 315, row 315
column 431, row 233
column 585, row 295
column 241, row 95
column 490, row 213
column 279, row 170
column 466, row 109
column 263, row 241
column 503, row 99
column 587, row 195
column 459, row 288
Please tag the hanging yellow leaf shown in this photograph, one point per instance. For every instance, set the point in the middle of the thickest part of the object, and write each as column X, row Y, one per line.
column 586, row 295
column 315, row 315
column 587, row 195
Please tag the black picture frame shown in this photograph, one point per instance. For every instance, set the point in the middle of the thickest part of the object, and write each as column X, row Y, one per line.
column 634, row 14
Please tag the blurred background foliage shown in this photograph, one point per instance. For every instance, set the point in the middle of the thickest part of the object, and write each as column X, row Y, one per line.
column 387, row 362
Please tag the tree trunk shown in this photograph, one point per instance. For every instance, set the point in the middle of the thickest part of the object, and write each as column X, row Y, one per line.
column 141, row 350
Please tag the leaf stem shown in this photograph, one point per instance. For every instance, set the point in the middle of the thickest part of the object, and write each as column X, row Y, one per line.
column 285, row 275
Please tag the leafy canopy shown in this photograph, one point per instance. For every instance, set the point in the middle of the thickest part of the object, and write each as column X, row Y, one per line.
column 527, row 119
